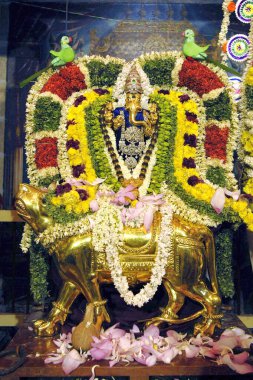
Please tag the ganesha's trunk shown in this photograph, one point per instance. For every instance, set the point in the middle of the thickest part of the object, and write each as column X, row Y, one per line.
column 132, row 117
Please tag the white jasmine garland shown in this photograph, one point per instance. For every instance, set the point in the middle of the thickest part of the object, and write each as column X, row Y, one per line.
column 178, row 66
column 84, row 70
column 107, row 235
column 62, row 231
column 26, row 240
column 224, row 27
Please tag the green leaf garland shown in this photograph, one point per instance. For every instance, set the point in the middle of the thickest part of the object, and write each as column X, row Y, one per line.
column 102, row 74
column 159, row 71
column 39, row 267
column 224, row 250
column 219, row 108
column 96, row 142
column 47, row 115
column 217, row 176
column 249, row 96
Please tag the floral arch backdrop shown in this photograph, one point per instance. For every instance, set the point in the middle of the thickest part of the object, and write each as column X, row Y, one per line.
column 198, row 132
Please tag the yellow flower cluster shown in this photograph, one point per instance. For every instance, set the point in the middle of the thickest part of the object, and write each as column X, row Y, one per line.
column 244, row 211
column 77, row 131
column 201, row 191
column 72, row 201
column 249, row 77
column 248, row 188
column 247, row 140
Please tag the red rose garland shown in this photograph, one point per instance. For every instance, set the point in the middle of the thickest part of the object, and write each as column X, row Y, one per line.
column 46, row 152
column 198, row 77
column 216, row 142
column 69, row 79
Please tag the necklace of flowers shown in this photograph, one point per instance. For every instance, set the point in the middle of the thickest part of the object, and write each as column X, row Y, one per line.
column 107, row 235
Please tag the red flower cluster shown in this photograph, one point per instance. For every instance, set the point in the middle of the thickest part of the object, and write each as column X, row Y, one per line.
column 69, row 79
column 46, row 152
column 216, row 142
column 198, row 78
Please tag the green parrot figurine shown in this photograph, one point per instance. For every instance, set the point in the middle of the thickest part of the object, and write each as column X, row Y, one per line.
column 190, row 48
column 65, row 55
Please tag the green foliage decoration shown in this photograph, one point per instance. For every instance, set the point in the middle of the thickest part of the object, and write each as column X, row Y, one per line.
column 224, row 250
column 249, row 96
column 217, row 176
column 219, row 108
column 47, row 115
column 39, row 267
column 46, row 181
column 102, row 74
column 159, row 71
column 96, row 142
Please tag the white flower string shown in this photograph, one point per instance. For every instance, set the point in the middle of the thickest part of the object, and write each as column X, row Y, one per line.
column 107, row 235
column 26, row 240
column 60, row 231
column 224, row 28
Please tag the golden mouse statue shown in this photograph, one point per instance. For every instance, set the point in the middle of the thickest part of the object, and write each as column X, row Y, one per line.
column 141, row 196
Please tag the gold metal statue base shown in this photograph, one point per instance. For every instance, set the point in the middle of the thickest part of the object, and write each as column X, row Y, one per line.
column 82, row 270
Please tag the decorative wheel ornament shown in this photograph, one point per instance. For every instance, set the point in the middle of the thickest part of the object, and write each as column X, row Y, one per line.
column 238, row 47
column 236, row 87
column 244, row 10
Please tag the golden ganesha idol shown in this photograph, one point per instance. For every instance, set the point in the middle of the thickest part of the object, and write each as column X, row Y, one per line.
column 138, row 173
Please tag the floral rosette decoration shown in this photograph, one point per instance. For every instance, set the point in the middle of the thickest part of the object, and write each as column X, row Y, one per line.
column 182, row 163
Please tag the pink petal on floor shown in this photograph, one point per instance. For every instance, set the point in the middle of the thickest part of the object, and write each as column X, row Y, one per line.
column 54, row 358
column 151, row 360
column 175, row 335
column 191, row 351
column 71, row 361
column 239, row 368
column 113, row 362
column 135, row 329
column 169, row 354
column 141, row 360
column 224, row 342
column 124, row 343
column 207, row 352
column 98, row 354
column 240, row 358
column 152, row 331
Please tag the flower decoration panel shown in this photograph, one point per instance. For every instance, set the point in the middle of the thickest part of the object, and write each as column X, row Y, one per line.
column 191, row 131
